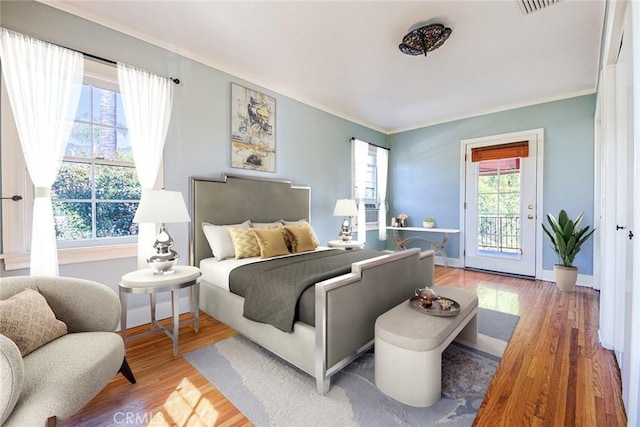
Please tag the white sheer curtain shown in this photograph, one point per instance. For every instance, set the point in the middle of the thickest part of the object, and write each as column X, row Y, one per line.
column 361, row 156
column 147, row 100
column 382, row 168
column 44, row 83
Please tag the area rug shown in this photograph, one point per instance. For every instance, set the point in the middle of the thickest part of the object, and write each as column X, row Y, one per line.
column 271, row 392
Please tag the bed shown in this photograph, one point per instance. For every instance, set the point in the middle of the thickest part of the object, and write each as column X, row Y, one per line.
column 346, row 306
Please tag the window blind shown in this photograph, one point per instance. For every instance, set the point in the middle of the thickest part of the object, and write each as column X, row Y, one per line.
column 502, row 151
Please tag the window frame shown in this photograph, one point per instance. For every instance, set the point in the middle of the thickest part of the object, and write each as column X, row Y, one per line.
column 106, row 79
column 373, row 225
column 17, row 216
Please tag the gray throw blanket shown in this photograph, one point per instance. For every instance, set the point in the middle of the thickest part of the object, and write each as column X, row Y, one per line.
column 271, row 288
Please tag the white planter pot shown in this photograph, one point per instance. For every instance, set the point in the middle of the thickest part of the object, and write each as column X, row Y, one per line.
column 426, row 224
column 566, row 277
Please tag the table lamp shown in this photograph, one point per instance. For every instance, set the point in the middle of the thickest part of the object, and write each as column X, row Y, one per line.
column 160, row 206
column 346, row 208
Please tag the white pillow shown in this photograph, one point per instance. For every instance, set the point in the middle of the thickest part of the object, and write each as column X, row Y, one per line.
column 220, row 240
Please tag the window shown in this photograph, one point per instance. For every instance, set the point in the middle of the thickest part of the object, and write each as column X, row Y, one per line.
column 96, row 193
column 371, row 189
column 370, row 192
column 499, row 206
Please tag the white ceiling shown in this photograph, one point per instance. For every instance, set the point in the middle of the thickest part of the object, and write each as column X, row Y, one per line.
column 343, row 57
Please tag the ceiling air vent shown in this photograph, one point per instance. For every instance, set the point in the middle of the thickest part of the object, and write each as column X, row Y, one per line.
column 529, row 6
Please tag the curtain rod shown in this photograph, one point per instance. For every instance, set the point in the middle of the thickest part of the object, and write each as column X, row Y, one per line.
column 375, row 145
column 108, row 61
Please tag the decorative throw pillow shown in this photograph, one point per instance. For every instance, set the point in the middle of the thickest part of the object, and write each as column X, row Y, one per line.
column 304, row 222
column 271, row 242
column 28, row 321
column 220, row 240
column 301, row 238
column 274, row 224
column 244, row 241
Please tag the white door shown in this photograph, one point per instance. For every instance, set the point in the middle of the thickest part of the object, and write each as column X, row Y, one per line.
column 624, row 256
column 501, row 206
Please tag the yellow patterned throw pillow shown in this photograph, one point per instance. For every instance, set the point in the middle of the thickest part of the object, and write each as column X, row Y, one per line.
column 28, row 321
column 244, row 241
column 271, row 242
column 301, row 238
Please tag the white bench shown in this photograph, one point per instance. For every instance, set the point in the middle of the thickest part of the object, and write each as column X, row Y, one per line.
column 409, row 346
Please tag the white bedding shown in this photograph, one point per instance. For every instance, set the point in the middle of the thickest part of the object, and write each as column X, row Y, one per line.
column 217, row 272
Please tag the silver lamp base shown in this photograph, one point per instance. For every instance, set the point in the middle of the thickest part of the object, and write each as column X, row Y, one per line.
column 165, row 258
column 345, row 231
column 160, row 265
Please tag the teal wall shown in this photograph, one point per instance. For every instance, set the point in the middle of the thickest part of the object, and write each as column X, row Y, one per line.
column 425, row 166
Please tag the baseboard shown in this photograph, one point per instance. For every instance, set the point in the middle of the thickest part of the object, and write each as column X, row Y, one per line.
column 142, row 315
column 439, row 260
column 451, row 262
column 583, row 279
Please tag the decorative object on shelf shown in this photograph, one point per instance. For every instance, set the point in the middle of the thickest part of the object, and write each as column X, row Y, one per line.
column 424, row 39
column 428, row 222
column 160, row 206
column 253, row 134
column 346, row 208
column 566, row 240
column 402, row 219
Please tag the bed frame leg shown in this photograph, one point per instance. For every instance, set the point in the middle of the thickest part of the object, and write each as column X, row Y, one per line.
column 323, row 385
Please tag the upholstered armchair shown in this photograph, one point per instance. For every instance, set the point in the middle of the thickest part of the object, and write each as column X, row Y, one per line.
column 54, row 381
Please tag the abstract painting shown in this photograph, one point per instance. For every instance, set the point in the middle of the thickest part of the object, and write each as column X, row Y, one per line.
column 253, row 133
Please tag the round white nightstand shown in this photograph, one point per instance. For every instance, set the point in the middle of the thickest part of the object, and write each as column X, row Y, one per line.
column 348, row 245
column 145, row 282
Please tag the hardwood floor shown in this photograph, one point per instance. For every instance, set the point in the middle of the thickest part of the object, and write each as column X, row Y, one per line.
column 552, row 373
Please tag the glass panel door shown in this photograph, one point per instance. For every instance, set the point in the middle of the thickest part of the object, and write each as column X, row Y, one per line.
column 500, row 211
column 499, row 208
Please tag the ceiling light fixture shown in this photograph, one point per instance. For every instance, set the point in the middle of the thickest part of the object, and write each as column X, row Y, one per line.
column 424, row 39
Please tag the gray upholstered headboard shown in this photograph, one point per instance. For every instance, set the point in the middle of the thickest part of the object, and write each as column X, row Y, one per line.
column 233, row 199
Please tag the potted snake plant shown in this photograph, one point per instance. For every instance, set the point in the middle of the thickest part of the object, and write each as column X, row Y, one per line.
column 566, row 240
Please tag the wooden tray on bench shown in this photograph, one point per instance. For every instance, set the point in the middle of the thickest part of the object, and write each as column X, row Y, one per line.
column 435, row 309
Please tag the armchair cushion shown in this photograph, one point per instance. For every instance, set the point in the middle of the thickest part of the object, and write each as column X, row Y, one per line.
column 62, row 376
column 28, row 321
column 11, row 376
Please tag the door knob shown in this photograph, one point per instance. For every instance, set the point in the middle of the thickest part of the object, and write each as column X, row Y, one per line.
column 530, row 216
column 530, row 207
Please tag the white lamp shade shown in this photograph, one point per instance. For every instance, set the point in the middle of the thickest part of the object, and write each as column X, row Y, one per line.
column 160, row 206
column 345, row 207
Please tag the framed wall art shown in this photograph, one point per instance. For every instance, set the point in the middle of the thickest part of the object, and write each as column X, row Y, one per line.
column 253, row 132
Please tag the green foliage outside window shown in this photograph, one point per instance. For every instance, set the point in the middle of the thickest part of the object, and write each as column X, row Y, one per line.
column 96, row 192
column 499, row 211
column 117, row 193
